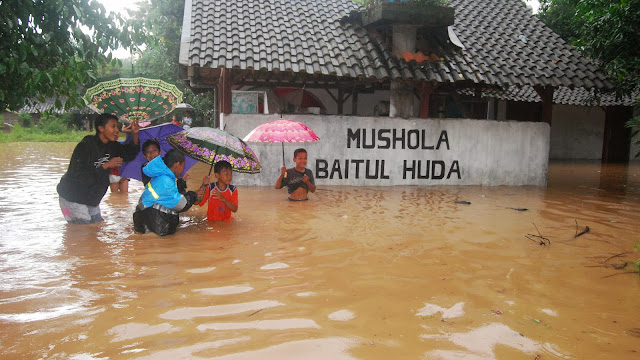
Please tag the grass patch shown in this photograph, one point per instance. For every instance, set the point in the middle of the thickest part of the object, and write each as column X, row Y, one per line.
column 33, row 134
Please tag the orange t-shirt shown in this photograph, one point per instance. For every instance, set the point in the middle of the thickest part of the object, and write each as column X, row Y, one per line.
column 217, row 210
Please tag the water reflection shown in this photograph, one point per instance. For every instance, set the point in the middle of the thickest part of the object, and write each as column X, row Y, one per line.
column 356, row 273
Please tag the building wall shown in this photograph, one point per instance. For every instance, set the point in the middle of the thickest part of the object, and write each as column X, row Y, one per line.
column 577, row 132
column 423, row 152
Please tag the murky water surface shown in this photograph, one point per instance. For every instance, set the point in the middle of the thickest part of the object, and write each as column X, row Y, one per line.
column 355, row 273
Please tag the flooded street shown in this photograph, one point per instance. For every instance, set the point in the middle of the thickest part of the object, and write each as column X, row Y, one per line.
column 355, row 273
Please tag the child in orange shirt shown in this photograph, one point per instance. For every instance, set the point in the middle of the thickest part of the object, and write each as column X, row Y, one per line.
column 222, row 196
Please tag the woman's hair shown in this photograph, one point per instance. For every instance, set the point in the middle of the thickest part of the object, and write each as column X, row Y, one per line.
column 102, row 120
column 173, row 156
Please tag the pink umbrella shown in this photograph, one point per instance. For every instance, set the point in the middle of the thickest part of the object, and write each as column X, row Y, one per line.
column 282, row 131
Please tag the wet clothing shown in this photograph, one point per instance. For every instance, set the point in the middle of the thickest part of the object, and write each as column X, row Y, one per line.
column 293, row 179
column 85, row 181
column 76, row 213
column 160, row 203
column 217, row 210
column 180, row 183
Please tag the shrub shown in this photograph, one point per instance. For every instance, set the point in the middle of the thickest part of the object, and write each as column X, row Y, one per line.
column 25, row 120
column 54, row 124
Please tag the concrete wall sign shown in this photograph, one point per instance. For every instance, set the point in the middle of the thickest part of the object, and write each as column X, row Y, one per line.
column 374, row 151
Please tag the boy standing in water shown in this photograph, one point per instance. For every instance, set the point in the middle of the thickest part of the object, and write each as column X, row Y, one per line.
column 86, row 181
column 222, row 196
column 298, row 180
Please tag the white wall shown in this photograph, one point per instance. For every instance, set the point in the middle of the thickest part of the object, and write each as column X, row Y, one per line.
column 577, row 132
column 480, row 152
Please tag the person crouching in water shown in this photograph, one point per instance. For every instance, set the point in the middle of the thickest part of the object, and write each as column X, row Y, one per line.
column 161, row 201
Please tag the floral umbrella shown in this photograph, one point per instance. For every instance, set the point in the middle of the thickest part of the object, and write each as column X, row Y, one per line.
column 134, row 99
column 211, row 145
column 282, row 131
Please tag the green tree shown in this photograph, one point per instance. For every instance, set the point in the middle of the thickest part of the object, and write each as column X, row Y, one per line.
column 560, row 16
column 607, row 31
column 51, row 48
column 610, row 33
column 162, row 22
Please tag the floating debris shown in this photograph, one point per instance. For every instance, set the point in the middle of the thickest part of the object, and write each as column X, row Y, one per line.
column 463, row 202
column 586, row 230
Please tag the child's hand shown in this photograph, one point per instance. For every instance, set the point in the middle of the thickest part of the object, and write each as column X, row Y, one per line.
column 132, row 128
column 216, row 194
column 112, row 163
column 206, row 180
column 305, row 179
column 283, row 170
column 186, row 177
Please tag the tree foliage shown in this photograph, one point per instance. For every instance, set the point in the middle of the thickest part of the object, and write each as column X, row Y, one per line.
column 51, row 48
column 560, row 16
column 607, row 31
column 610, row 32
column 162, row 21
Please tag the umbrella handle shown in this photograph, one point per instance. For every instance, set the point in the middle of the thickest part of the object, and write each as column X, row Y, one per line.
column 211, row 168
column 285, row 173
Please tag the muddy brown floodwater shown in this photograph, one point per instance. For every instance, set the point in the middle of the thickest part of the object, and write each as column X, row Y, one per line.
column 355, row 273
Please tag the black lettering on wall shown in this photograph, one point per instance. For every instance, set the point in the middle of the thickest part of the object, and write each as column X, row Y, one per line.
column 455, row 168
column 426, row 170
column 336, row 169
column 398, row 138
column 346, row 168
column 424, row 141
column 382, row 174
column 444, row 138
column 364, row 139
column 321, row 169
column 351, row 135
column 384, row 138
column 434, row 164
column 415, row 136
column 406, row 169
column 357, row 162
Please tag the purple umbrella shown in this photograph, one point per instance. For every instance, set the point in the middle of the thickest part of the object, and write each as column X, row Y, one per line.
column 159, row 133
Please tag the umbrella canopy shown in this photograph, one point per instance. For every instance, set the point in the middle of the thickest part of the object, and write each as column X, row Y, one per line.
column 211, row 145
column 282, row 131
column 300, row 98
column 134, row 99
column 159, row 133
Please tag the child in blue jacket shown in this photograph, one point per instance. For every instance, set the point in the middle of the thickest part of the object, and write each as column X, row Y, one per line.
column 161, row 201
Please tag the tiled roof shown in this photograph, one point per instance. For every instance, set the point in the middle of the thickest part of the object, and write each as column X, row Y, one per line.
column 504, row 44
column 33, row 106
column 562, row 95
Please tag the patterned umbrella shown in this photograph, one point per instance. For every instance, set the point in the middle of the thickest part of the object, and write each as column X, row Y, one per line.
column 282, row 131
column 134, row 99
column 211, row 145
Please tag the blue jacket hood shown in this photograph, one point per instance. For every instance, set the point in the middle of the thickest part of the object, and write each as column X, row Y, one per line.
column 157, row 167
column 161, row 189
